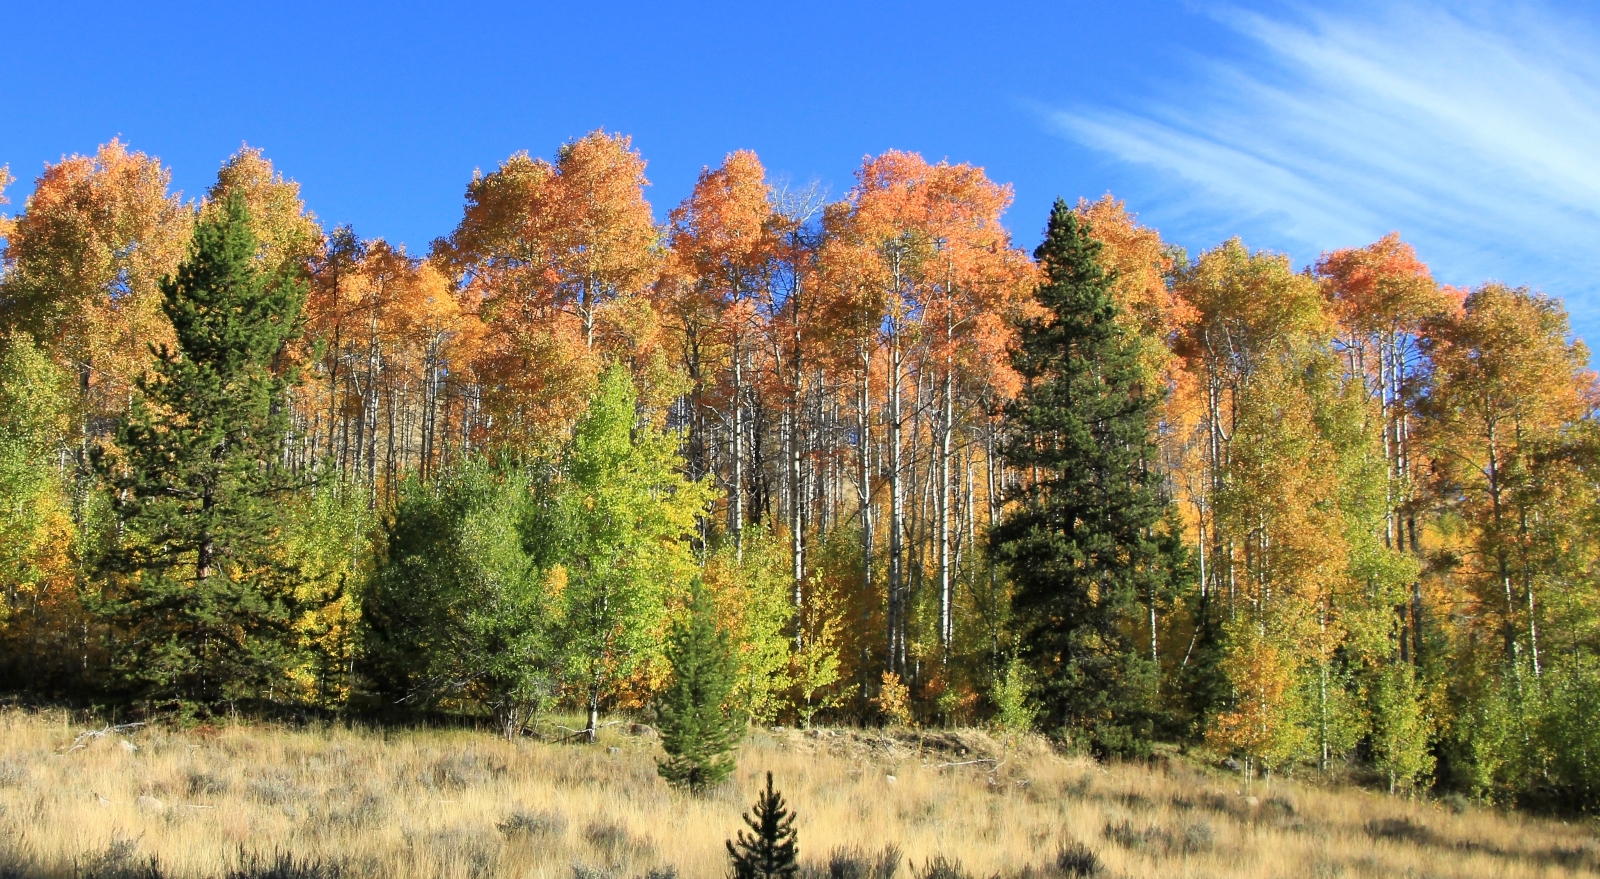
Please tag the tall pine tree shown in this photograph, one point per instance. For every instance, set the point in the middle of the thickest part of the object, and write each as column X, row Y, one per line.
column 203, row 609
column 1091, row 536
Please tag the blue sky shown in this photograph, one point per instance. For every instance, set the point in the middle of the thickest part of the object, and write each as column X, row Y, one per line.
column 1471, row 128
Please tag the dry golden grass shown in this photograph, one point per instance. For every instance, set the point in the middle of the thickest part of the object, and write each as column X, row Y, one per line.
column 462, row 804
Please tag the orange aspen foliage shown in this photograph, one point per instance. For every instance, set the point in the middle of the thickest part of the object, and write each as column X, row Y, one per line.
column 1151, row 310
column 6, row 223
column 1382, row 288
column 722, row 242
column 86, row 256
column 917, row 266
column 599, row 235
column 554, row 259
column 396, row 349
column 920, row 249
column 1507, row 382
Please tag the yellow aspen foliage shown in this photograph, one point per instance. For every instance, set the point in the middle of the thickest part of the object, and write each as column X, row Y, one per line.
column 289, row 234
column 1264, row 722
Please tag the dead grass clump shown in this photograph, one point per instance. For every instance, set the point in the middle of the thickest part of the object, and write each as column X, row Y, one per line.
column 1585, row 856
column 457, row 851
column 16, row 862
column 1133, row 800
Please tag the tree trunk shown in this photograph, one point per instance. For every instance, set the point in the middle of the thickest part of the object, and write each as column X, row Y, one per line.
column 897, row 513
column 864, row 457
column 736, row 479
column 946, row 593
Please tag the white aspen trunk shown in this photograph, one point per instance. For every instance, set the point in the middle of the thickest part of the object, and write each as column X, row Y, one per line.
column 864, row 487
column 797, row 491
column 736, row 479
column 946, row 593
column 897, row 513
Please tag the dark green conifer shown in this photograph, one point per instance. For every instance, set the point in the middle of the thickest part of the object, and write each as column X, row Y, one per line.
column 698, row 732
column 1092, row 536
column 772, row 852
column 204, row 606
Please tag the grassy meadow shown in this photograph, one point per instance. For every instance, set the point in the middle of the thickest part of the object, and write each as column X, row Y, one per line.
column 270, row 801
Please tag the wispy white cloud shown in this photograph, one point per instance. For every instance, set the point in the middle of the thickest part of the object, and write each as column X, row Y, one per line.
column 1474, row 133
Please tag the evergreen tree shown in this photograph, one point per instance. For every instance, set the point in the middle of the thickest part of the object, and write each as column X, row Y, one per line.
column 698, row 729
column 204, row 609
column 771, row 852
column 1092, row 535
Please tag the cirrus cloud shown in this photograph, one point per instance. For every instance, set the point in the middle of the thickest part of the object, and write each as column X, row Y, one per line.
column 1475, row 133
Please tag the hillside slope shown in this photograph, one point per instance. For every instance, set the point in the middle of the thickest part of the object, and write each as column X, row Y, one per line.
column 463, row 804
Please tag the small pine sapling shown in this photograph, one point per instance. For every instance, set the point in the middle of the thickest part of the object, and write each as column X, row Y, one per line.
column 698, row 731
column 772, row 852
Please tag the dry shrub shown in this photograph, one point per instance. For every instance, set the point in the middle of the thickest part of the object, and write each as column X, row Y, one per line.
column 460, row 771
column 615, row 843
column 533, row 824
column 855, row 862
column 120, row 859
column 12, row 773
column 1077, row 861
column 1195, row 838
column 363, row 808
column 205, row 783
column 283, row 865
column 941, row 867
column 276, row 789
column 1400, row 830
